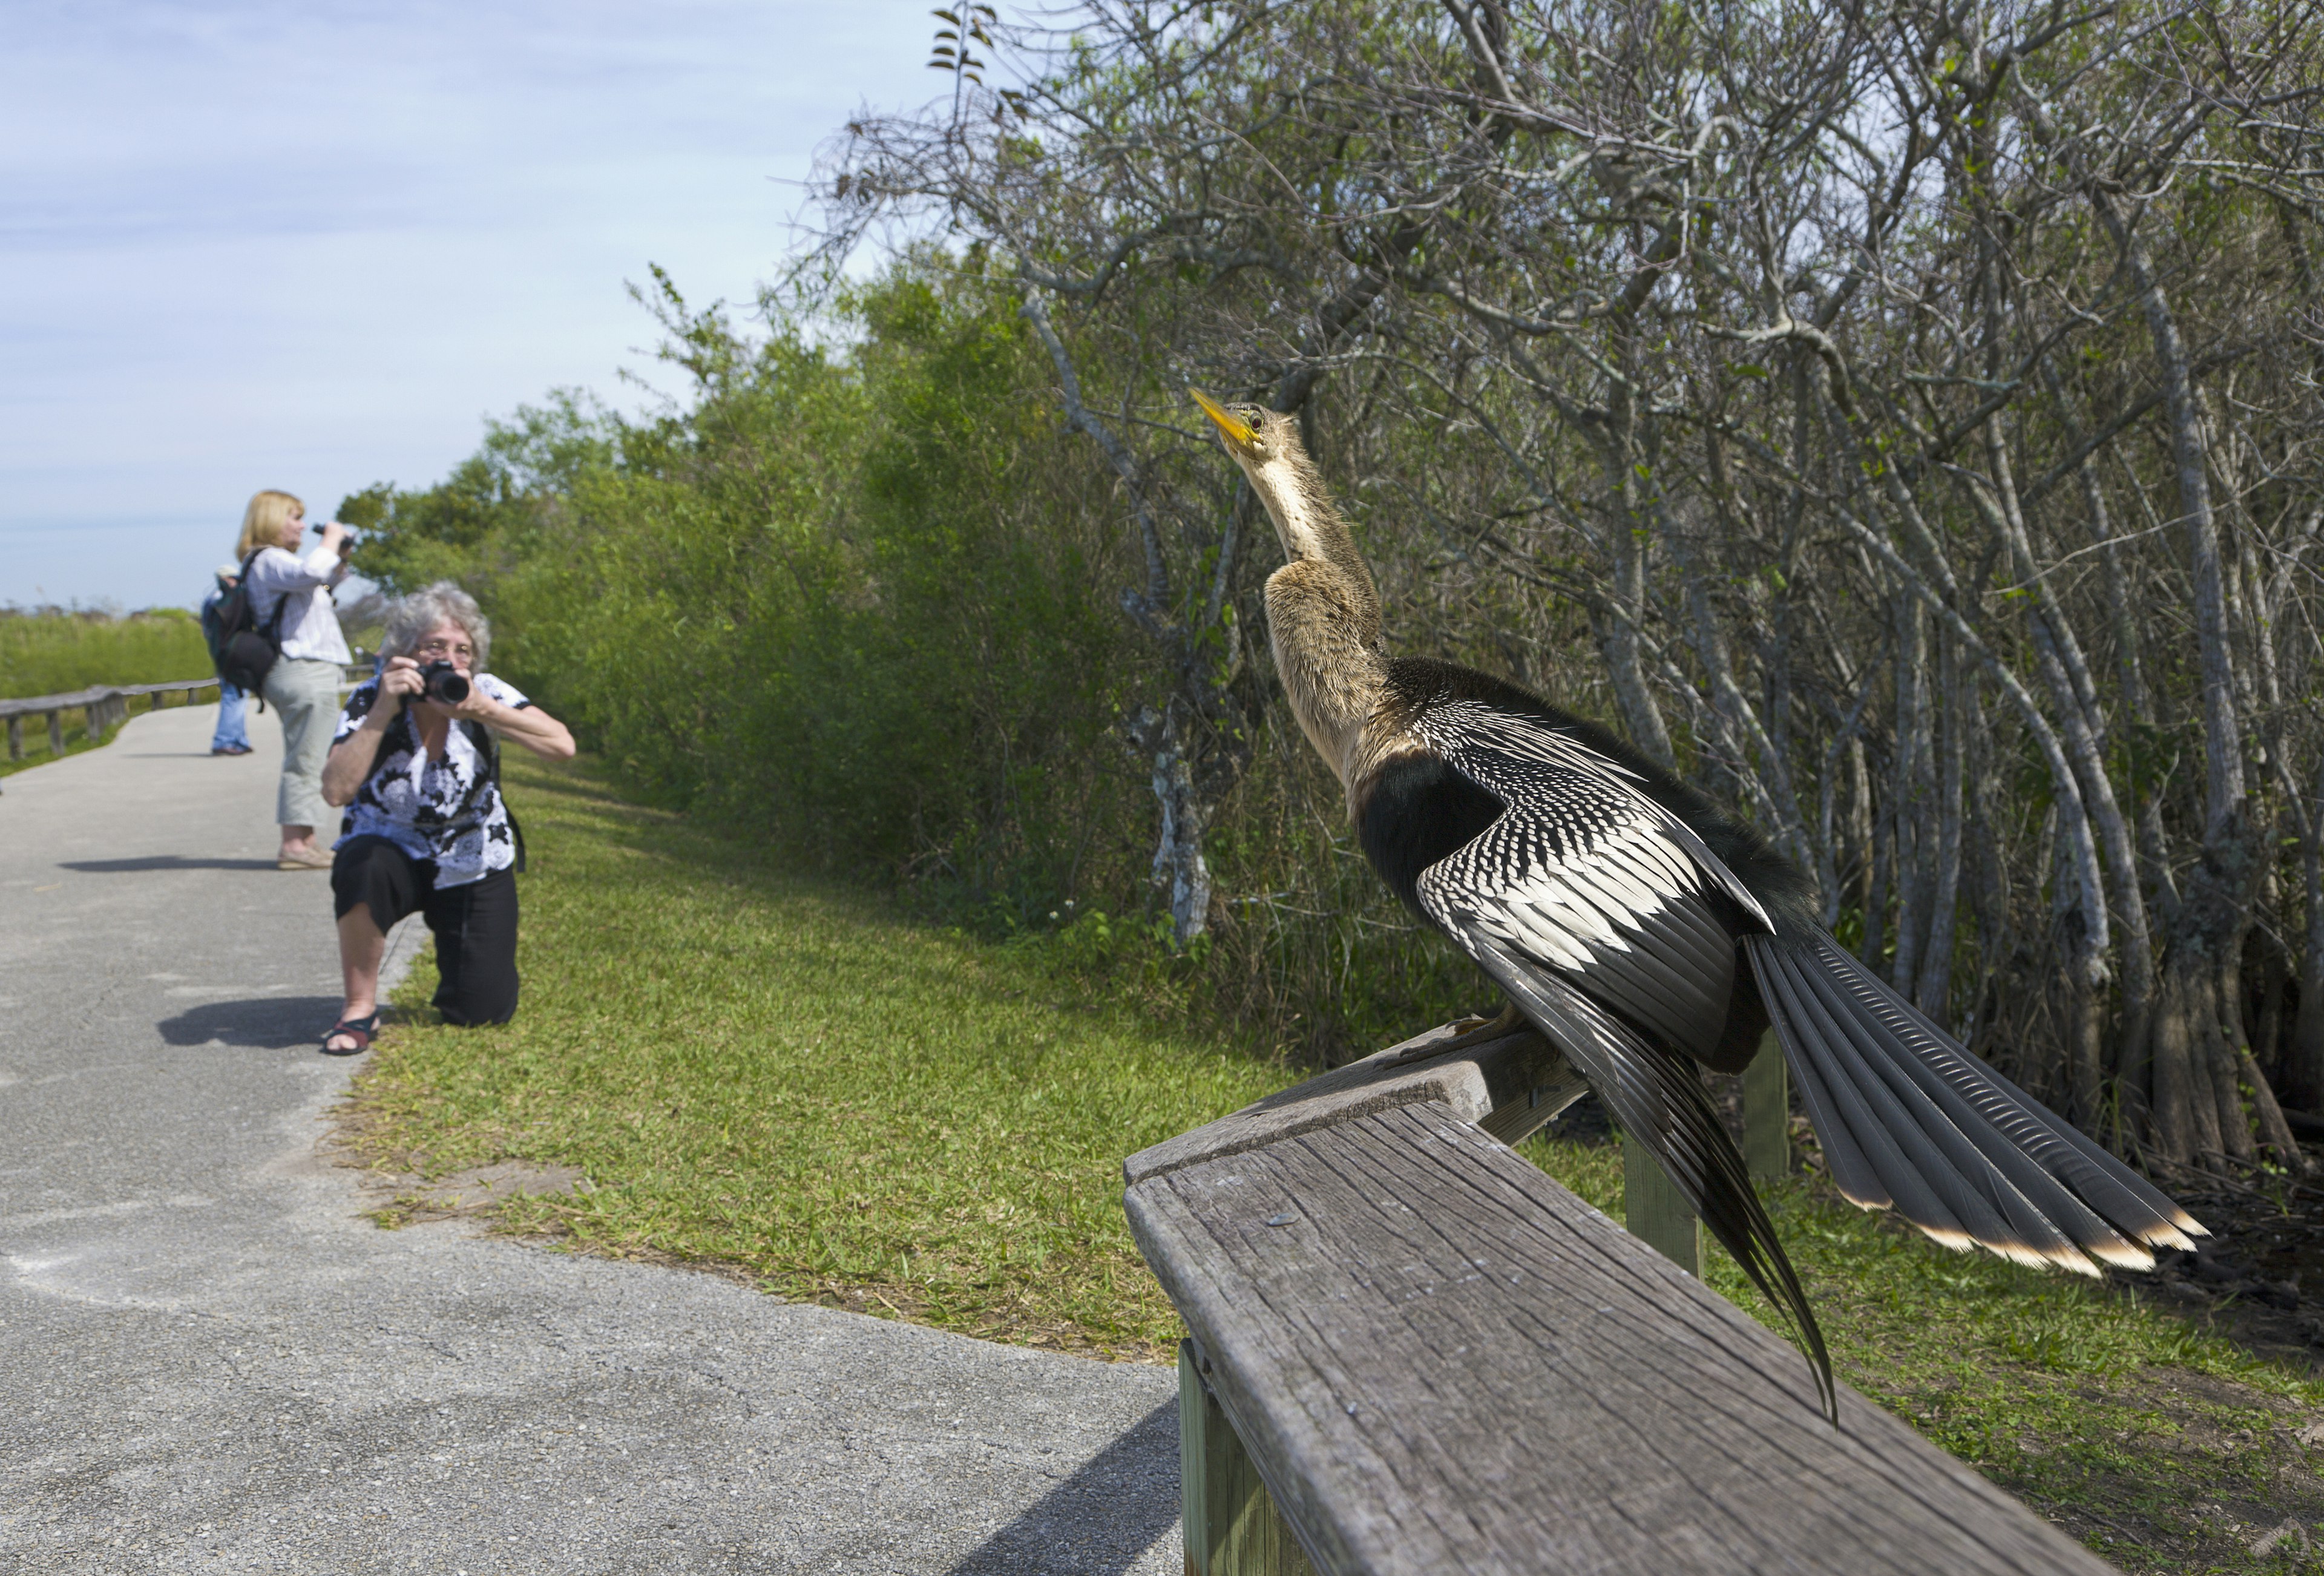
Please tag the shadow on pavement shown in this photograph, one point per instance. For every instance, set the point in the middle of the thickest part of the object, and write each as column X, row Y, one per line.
column 153, row 862
column 267, row 1023
column 1099, row 1520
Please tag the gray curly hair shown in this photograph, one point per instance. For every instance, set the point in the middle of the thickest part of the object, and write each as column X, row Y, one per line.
column 413, row 618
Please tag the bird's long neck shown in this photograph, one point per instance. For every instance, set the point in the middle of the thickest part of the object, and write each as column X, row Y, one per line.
column 1311, row 529
column 1322, row 613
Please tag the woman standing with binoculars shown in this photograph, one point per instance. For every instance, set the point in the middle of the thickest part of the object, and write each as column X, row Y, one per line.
column 290, row 596
column 416, row 765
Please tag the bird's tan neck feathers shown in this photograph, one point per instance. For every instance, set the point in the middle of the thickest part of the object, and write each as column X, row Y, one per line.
column 1323, row 615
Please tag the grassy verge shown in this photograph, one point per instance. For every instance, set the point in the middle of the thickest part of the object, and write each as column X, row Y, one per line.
column 48, row 652
column 52, row 652
column 791, row 1080
column 793, row 1084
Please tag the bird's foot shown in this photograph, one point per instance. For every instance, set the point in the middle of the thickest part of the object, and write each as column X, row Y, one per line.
column 1468, row 1032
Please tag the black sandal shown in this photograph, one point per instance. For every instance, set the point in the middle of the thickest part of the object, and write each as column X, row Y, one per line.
column 358, row 1029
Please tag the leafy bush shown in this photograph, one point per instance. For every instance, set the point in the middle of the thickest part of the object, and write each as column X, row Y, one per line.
column 841, row 599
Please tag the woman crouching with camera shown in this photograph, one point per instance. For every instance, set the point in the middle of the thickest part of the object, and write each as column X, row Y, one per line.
column 415, row 765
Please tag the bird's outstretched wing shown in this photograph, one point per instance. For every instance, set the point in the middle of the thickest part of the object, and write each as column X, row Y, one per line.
column 1595, row 909
column 1587, row 876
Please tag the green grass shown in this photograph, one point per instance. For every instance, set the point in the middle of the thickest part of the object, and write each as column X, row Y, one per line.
column 54, row 653
column 797, row 1085
column 49, row 652
column 791, row 1079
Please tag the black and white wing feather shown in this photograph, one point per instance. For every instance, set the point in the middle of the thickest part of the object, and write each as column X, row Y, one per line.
column 1586, row 873
column 1586, row 876
column 1587, row 896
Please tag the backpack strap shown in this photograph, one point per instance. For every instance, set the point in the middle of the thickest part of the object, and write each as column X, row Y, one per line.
column 272, row 633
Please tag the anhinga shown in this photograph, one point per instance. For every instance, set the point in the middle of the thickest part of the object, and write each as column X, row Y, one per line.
column 1644, row 931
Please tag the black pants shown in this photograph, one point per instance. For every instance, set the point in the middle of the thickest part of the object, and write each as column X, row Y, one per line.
column 474, row 924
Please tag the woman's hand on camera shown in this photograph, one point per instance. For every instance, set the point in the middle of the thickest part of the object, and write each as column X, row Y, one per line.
column 479, row 707
column 400, row 681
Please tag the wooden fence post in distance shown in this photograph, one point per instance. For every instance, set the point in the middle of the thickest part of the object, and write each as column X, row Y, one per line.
column 1767, row 1113
column 1657, row 1213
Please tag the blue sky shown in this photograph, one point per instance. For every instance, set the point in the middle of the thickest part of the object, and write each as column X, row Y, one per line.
column 246, row 245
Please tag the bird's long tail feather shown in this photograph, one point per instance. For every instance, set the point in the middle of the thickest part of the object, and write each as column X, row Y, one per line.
column 1658, row 1097
column 1911, row 1122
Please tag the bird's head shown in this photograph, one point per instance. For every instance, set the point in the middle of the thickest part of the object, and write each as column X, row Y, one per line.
column 1254, row 435
column 1266, row 444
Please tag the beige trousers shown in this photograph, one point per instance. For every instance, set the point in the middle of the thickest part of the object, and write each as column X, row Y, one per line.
column 306, row 695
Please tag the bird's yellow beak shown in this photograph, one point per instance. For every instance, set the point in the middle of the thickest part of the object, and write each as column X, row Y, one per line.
column 1236, row 431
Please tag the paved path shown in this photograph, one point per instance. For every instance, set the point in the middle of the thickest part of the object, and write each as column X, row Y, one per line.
column 208, row 1361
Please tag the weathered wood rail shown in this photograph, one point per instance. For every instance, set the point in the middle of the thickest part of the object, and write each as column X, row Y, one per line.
column 1412, row 1351
column 103, row 706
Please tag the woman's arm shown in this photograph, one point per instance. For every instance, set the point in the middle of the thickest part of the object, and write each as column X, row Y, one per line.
column 281, row 570
column 529, row 726
column 352, row 758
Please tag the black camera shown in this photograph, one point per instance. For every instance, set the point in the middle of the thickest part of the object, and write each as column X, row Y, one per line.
column 443, row 682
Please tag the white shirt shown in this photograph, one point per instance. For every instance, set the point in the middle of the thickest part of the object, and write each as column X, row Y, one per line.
column 311, row 628
column 449, row 811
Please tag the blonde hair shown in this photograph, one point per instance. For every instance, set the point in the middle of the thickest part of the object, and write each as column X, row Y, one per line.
column 414, row 617
column 262, row 523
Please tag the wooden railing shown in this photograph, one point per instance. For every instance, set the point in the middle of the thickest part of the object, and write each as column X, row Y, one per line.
column 105, row 706
column 1410, row 1350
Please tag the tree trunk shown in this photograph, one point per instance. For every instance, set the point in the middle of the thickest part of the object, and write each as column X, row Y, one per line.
column 2081, row 1022
column 1626, row 555
column 1934, row 992
column 1178, row 862
column 2306, row 1081
column 2185, row 1119
column 1911, row 790
column 2214, row 912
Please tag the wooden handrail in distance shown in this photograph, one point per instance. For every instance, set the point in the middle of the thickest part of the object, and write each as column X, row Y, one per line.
column 1434, row 1357
column 33, row 704
column 101, row 707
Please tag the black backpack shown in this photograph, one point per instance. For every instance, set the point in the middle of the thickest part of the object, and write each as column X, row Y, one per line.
column 246, row 651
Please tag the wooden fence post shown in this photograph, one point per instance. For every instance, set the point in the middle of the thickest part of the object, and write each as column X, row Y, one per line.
column 56, row 734
column 1229, row 1524
column 15, row 738
column 1657, row 1213
column 1767, row 1113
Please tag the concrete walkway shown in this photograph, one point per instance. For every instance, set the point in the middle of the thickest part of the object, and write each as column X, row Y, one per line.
column 209, row 1361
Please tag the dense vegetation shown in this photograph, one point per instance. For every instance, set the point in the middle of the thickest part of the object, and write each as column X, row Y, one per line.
column 51, row 651
column 1903, row 419
column 863, row 604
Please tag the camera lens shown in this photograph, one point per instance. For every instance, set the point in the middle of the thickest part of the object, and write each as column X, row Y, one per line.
column 443, row 683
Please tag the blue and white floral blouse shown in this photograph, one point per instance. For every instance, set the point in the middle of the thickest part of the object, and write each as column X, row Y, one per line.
column 449, row 810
